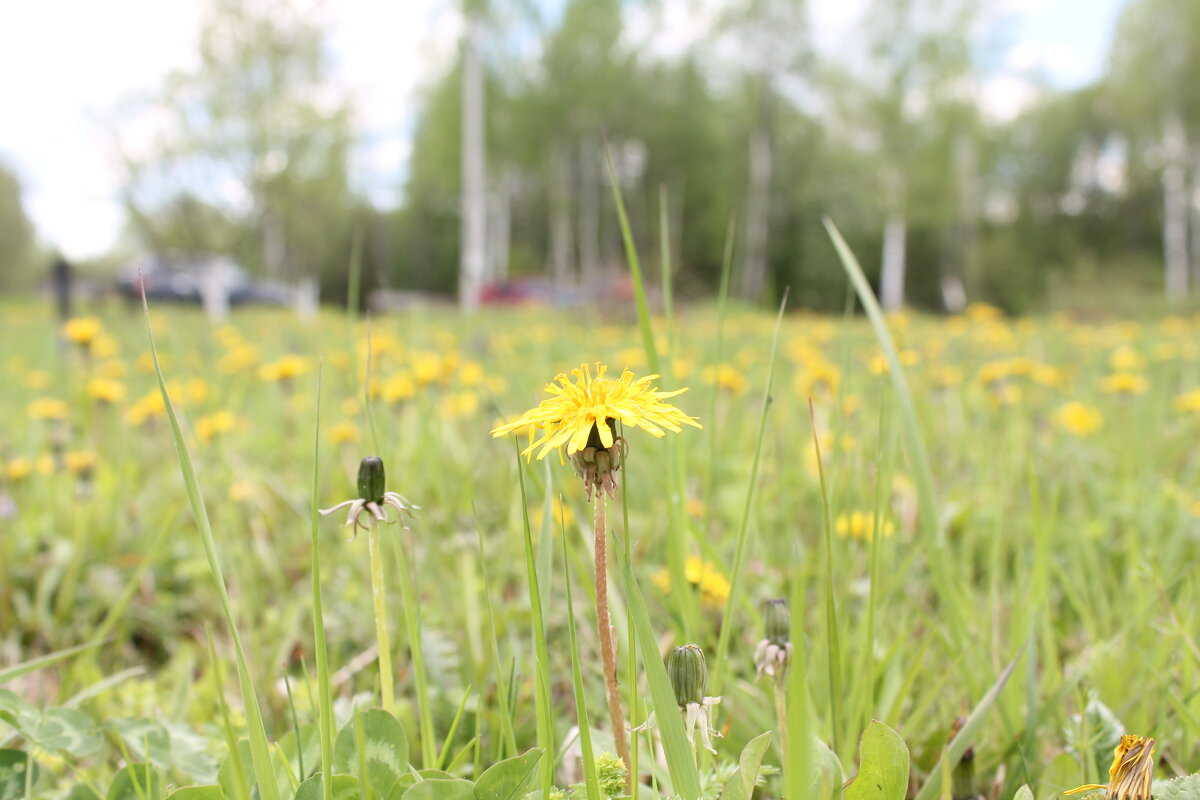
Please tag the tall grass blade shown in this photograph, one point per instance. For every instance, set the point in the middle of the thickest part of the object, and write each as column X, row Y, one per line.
column 935, row 541
column 959, row 744
column 831, row 623
column 256, row 733
column 543, row 700
column 324, row 692
column 34, row 664
column 739, row 559
column 680, row 758
column 590, row 780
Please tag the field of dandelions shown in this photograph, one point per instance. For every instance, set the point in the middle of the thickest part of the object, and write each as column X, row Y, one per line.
column 990, row 597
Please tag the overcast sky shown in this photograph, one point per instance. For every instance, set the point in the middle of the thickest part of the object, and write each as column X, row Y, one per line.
column 66, row 64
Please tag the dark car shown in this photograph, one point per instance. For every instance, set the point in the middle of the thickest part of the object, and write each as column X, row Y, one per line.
column 183, row 279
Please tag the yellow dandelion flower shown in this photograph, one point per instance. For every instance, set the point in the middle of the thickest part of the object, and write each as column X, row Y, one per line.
column 861, row 525
column 105, row 390
column 701, row 575
column 727, row 377
column 284, row 369
column 105, row 346
column 460, row 404
column 212, row 425
column 1131, row 772
column 577, row 407
column 238, row 359
column 398, row 388
column 558, row 510
column 1188, row 402
column 146, row 407
column 1077, row 419
column 1124, row 383
column 1125, row 359
column 82, row 330
column 45, row 464
column 80, row 462
column 342, row 433
column 18, row 469
column 47, row 408
column 471, row 373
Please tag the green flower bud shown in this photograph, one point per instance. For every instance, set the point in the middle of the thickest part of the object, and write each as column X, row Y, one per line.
column 777, row 622
column 689, row 676
column 371, row 480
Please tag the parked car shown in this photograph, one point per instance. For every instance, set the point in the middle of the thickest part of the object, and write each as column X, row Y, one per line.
column 183, row 279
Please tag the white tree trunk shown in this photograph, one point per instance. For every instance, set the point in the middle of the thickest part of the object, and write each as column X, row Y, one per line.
column 891, row 277
column 758, row 197
column 561, row 244
column 1175, row 208
column 473, row 225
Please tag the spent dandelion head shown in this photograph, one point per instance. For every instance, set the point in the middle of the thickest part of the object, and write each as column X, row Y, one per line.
column 373, row 498
column 580, row 416
column 1131, row 773
column 774, row 651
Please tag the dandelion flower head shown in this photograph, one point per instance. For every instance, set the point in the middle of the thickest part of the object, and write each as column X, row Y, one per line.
column 588, row 401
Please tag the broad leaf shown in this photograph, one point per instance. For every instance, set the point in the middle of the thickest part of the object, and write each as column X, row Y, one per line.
column 741, row 783
column 137, row 782
column 13, row 766
column 345, row 787
column 386, row 752
column 508, row 779
column 883, row 767
column 438, row 789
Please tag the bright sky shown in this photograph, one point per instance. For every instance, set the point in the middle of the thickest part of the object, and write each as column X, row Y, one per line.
column 68, row 63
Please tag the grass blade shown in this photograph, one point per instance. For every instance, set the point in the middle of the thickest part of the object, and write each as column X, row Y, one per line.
column 680, row 758
column 959, row 744
column 34, row 664
column 590, row 781
column 256, row 733
column 914, row 441
column 739, row 559
column 544, row 701
column 324, row 692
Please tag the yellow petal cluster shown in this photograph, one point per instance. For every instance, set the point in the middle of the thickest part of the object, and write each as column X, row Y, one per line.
column 586, row 401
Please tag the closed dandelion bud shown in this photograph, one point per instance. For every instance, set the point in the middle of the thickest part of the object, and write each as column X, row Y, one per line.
column 688, row 674
column 777, row 622
column 371, row 479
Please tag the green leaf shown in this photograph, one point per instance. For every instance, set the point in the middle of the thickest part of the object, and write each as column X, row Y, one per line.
column 147, row 740
column 137, row 782
column 227, row 778
column 33, row 664
column 198, row 793
column 13, row 764
column 959, row 744
column 741, row 784
column 1024, row 793
column 18, row 713
column 680, row 757
column 68, row 731
column 1185, row 788
column 883, row 767
column 81, row 792
column 310, row 747
column 386, row 751
column 438, row 789
column 508, row 779
column 345, row 787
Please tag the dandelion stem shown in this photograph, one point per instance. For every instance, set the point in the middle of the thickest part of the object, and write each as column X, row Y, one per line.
column 781, row 711
column 381, row 621
column 608, row 649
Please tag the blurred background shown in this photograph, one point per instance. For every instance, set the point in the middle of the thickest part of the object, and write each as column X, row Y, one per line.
column 1034, row 154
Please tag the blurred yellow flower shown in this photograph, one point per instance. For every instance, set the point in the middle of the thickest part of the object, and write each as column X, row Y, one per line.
column 82, row 330
column 727, row 377
column 148, row 406
column 471, row 373
column 238, row 359
column 1188, row 402
column 1125, row 359
column 80, row 462
column 861, row 525
column 18, row 469
column 398, row 388
column 342, row 433
column 1124, row 383
column 105, row 346
column 105, row 390
column 212, row 425
column 557, row 509
column 460, row 404
column 47, row 408
column 1078, row 419
column 702, row 575
column 285, row 368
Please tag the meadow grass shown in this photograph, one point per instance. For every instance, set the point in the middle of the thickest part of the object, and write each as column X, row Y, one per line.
column 1046, row 595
